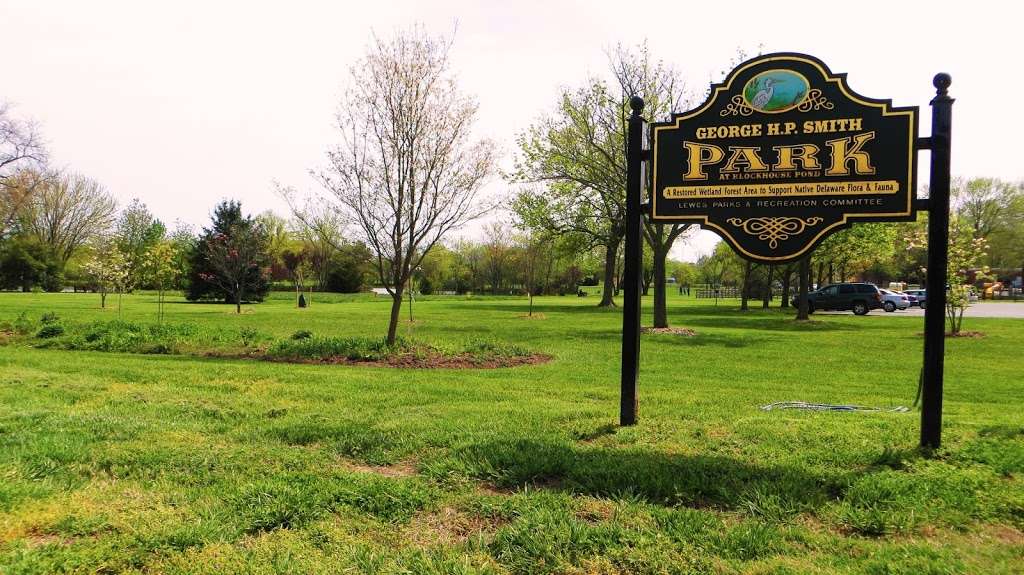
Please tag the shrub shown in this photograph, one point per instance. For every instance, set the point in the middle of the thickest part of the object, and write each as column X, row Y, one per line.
column 495, row 349
column 302, row 334
column 23, row 325
column 50, row 330
column 322, row 348
column 49, row 317
column 250, row 336
column 123, row 336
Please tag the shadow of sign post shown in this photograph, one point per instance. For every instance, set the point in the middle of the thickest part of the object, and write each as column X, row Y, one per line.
column 782, row 154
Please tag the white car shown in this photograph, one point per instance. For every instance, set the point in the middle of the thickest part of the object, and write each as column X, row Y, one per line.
column 892, row 300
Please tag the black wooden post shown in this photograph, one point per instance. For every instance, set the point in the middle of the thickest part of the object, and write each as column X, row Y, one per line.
column 633, row 258
column 938, row 255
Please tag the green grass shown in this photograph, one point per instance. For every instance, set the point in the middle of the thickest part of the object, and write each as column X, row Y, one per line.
column 117, row 462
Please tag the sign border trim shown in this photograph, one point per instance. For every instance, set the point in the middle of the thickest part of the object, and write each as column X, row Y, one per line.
column 840, row 81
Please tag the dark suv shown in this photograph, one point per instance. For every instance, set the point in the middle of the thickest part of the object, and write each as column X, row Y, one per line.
column 859, row 297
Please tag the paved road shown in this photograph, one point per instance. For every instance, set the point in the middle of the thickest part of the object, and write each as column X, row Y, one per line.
column 993, row 309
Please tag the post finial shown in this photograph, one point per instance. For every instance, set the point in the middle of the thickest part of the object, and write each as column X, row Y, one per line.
column 637, row 104
column 941, row 82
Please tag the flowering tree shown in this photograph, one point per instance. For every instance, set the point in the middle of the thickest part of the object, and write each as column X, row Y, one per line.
column 237, row 260
column 108, row 268
column 160, row 267
column 966, row 252
column 234, row 244
column 408, row 170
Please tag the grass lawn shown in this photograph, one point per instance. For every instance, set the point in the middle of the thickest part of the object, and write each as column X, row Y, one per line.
column 118, row 462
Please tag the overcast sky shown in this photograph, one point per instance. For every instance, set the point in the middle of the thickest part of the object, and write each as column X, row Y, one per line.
column 183, row 103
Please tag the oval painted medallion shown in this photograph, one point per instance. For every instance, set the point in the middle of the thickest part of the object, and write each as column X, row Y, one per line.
column 774, row 91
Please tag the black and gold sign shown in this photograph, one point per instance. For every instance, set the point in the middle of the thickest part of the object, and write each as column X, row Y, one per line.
column 782, row 154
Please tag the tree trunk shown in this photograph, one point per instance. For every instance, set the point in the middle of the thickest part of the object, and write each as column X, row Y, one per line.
column 803, row 280
column 396, row 310
column 766, row 297
column 648, row 277
column 787, row 277
column 745, row 289
column 103, row 299
column 660, row 296
column 608, row 289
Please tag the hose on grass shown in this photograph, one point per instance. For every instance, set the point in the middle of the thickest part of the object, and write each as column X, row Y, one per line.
column 831, row 407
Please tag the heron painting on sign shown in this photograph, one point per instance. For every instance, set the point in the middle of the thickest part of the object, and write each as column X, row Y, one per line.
column 776, row 91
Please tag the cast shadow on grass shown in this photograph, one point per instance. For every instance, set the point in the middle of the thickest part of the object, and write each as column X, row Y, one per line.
column 546, row 308
column 701, row 339
column 699, row 481
column 774, row 322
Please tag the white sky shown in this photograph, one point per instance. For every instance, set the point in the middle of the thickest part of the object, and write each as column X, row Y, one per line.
column 184, row 103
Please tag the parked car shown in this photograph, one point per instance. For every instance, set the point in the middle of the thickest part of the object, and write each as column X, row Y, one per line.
column 919, row 297
column 859, row 297
column 892, row 301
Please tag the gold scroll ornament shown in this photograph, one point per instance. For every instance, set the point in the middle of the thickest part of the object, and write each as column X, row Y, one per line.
column 774, row 230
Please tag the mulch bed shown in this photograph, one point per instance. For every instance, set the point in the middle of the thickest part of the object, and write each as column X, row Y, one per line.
column 431, row 361
column 969, row 334
column 966, row 334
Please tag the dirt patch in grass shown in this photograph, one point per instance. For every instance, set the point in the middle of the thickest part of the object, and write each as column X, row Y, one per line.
column 401, row 469
column 1004, row 534
column 595, row 510
column 669, row 330
column 447, row 526
column 493, row 490
column 36, row 539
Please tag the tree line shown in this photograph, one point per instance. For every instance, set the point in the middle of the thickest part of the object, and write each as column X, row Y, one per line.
column 986, row 246
column 408, row 171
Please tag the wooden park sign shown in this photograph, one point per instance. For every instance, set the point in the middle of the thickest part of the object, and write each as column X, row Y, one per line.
column 782, row 154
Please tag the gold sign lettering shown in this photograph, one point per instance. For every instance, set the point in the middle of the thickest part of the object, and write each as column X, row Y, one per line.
column 843, row 153
column 698, row 159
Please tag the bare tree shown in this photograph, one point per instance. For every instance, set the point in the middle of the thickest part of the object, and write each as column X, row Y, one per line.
column 16, row 194
column 321, row 228
column 534, row 247
column 406, row 171
column 68, row 210
column 498, row 249
column 22, row 161
column 20, row 143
